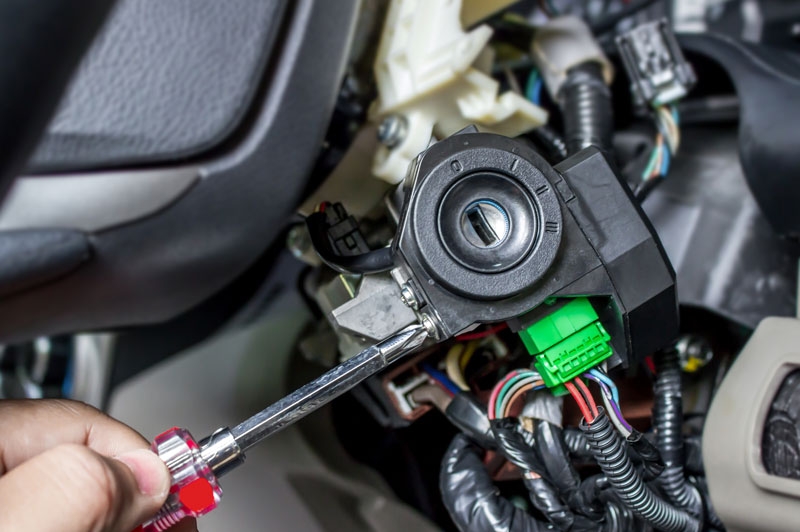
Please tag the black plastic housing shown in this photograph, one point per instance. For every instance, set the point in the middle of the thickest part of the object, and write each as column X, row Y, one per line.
column 655, row 64
column 602, row 247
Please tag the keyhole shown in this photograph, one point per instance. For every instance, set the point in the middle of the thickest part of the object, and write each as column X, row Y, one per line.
column 485, row 224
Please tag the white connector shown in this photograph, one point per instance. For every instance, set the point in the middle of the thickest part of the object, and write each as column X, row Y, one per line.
column 401, row 392
column 427, row 72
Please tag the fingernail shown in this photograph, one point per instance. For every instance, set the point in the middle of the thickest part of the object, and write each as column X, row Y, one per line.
column 151, row 474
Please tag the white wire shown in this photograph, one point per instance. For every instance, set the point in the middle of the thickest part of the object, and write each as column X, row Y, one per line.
column 665, row 129
column 517, row 385
column 612, row 414
column 669, row 129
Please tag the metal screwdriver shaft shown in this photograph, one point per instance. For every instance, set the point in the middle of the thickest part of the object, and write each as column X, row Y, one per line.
column 195, row 467
column 326, row 387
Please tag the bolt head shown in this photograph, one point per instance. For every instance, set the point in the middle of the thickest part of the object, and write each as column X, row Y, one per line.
column 392, row 131
column 430, row 326
column 408, row 298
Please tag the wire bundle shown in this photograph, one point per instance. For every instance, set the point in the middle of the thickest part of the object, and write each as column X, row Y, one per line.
column 533, row 88
column 667, row 142
column 610, row 397
column 460, row 354
column 609, row 394
column 454, row 362
column 584, row 398
column 509, row 389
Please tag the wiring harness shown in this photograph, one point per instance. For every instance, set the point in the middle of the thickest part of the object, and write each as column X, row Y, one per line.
column 612, row 457
column 641, row 481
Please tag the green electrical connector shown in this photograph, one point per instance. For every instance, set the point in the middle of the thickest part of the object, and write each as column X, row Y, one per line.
column 566, row 343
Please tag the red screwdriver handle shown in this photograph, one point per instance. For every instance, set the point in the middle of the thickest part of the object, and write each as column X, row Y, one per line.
column 194, row 491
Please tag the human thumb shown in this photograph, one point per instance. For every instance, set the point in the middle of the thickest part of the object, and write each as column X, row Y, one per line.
column 71, row 488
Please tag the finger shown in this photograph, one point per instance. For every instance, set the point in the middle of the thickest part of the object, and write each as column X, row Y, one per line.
column 71, row 488
column 30, row 427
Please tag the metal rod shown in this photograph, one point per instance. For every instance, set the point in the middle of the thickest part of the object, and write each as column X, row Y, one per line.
column 327, row 387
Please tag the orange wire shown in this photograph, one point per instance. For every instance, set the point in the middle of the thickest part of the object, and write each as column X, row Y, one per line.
column 657, row 167
column 589, row 397
column 518, row 393
column 581, row 403
column 514, row 397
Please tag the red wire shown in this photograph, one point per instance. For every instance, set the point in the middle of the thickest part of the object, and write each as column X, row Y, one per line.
column 650, row 364
column 581, row 403
column 481, row 334
column 588, row 395
column 496, row 392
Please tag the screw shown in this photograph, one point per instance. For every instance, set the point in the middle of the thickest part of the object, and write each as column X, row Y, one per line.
column 392, row 131
column 430, row 326
column 408, row 297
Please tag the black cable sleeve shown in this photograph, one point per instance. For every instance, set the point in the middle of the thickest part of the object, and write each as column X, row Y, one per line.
column 693, row 455
column 554, row 146
column 375, row 261
column 612, row 456
column 544, row 497
column 472, row 500
column 668, row 423
column 545, row 453
column 585, row 102
column 577, row 443
column 553, row 453
column 618, row 517
column 467, row 413
column 517, row 444
column 652, row 463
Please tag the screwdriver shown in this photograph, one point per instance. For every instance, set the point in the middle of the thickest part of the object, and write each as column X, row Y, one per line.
column 195, row 466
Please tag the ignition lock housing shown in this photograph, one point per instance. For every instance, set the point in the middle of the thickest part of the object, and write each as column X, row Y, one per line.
column 490, row 231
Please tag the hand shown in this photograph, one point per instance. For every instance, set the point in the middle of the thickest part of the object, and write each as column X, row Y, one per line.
column 68, row 467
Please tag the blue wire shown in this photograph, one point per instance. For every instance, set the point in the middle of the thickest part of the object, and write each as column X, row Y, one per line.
column 537, row 92
column 665, row 160
column 533, row 89
column 441, row 378
column 606, row 380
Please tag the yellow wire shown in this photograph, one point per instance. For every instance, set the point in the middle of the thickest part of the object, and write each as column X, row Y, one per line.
column 468, row 352
column 451, row 366
column 671, row 128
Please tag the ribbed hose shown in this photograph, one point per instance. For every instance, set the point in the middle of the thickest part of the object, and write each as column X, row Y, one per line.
column 668, row 422
column 612, row 457
column 554, row 145
column 586, row 108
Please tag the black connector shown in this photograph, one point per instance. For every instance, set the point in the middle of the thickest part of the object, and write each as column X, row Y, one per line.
column 655, row 64
column 338, row 241
column 469, row 415
column 344, row 231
